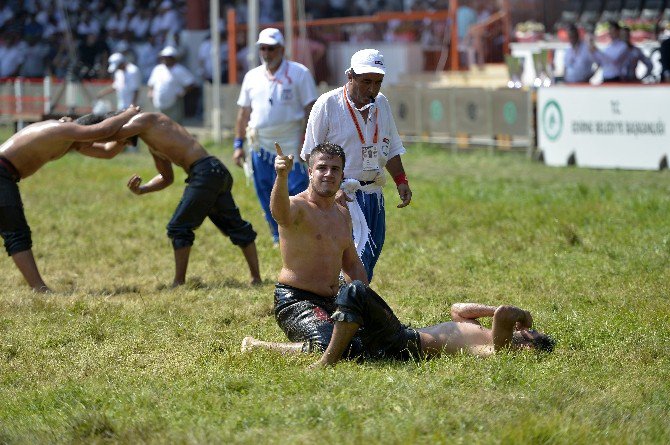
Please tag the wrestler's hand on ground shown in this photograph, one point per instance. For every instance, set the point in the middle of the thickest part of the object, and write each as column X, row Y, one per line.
column 405, row 195
column 524, row 320
column 239, row 157
column 527, row 322
column 134, row 184
column 283, row 164
column 342, row 198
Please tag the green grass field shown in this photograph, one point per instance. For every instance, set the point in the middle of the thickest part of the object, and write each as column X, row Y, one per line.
column 114, row 357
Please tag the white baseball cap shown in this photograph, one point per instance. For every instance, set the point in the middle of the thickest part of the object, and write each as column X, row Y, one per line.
column 169, row 51
column 368, row 61
column 270, row 36
column 114, row 61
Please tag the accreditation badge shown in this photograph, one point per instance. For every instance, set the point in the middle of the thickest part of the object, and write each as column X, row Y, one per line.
column 286, row 95
column 370, row 158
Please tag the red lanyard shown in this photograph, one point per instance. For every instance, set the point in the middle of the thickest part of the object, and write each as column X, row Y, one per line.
column 353, row 117
column 272, row 78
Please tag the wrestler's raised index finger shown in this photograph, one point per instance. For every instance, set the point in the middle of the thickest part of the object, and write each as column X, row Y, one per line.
column 278, row 148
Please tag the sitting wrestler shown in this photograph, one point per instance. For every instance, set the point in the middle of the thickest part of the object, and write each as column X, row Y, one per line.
column 353, row 321
column 25, row 153
column 208, row 193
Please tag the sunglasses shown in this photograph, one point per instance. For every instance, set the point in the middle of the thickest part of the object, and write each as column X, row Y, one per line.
column 268, row 48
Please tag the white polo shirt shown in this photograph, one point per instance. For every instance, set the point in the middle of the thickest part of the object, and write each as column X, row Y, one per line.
column 126, row 82
column 169, row 84
column 278, row 103
column 611, row 59
column 366, row 155
column 280, row 98
column 578, row 63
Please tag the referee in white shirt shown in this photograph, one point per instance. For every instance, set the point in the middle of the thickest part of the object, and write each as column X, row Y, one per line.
column 358, row 118
column 274, row 103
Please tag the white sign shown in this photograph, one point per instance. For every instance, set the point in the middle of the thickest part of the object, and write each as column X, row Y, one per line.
column 605, row 126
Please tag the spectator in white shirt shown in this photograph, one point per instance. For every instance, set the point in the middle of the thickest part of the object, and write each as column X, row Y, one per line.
column 611, row 58
column 35, row 58
column 579, row 61
column 117, row 23
column 146, row 52
column 168, row 83
column 168, row 19
column 205, row 64
column 6, row 13
column 12, row 56
column 87, row 24
column 140, row 24
column 127, row 81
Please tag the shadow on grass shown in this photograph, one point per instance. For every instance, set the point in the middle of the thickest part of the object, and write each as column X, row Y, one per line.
column 197, row 283
column 116, row 290
column 103, row 292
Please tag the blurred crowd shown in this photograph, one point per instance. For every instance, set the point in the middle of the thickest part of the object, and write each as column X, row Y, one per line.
column 40, row 37
column 61, row 37
column 618, row 58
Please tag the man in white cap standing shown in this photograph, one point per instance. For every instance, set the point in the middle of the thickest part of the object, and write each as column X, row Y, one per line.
column 127, row 81
column 274, row 103
column 168, row 83
column 358, row 118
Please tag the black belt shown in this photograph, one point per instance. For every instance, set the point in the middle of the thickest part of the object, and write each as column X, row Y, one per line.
column 362, row 183
column 13, row 172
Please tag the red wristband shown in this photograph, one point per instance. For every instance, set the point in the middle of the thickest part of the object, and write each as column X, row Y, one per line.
column 400, row 178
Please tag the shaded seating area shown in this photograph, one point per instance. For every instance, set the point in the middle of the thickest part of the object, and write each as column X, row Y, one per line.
column 651, row 16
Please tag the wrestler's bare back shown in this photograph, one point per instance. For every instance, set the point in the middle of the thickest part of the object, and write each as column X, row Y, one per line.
column 166, row 139
column 313, row 246
column 35, row 145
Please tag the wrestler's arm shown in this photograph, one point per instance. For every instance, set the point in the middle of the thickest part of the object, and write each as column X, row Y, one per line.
column 101, row 131
column 163, row 179
column 134, row 127
column 102, row 150
column 470, row 312
column 280, row 203
column 352, row 267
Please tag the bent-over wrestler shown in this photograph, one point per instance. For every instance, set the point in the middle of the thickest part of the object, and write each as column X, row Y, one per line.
column 25, row 153
column 207, row 195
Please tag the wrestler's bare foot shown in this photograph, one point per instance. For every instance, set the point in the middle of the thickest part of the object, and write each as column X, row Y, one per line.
column 43, row 289
column 176, row 283
column 248, row 344
column 256, row 281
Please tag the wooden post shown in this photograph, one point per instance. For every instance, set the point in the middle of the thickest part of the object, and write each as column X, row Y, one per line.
column 453, row 49
column 232, row 46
